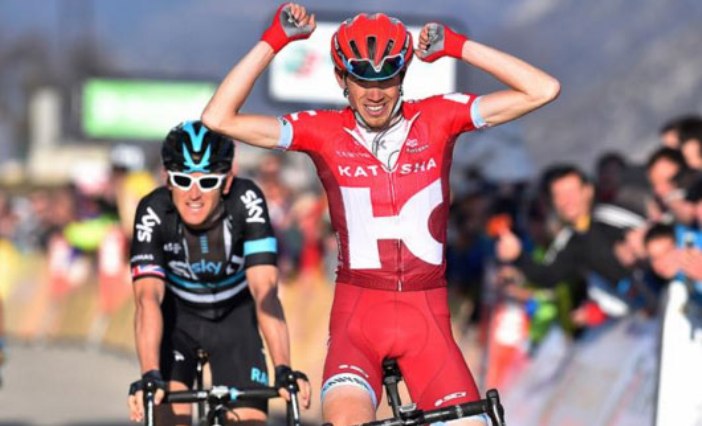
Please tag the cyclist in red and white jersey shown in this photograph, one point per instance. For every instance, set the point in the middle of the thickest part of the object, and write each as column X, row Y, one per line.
column 384, row 163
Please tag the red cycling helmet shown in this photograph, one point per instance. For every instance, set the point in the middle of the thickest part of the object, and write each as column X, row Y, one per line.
column 372, row 48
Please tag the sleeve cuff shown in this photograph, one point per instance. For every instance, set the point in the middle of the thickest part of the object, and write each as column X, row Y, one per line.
column 286, row 134
column 478, row 120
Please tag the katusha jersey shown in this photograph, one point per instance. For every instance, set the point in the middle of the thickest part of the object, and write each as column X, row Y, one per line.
column 390, row 217
column 204, row 270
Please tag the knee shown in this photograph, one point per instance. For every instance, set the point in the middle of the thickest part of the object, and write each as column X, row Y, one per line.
column 347, row 406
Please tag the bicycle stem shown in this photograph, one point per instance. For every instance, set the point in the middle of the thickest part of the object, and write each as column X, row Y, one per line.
column 149, row 404
column 293, row 407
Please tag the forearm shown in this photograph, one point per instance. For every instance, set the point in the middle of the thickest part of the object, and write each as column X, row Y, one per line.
column 263, row 284
column 541, row 276
column 271, row 321
column 222, row 110
column 148, row 324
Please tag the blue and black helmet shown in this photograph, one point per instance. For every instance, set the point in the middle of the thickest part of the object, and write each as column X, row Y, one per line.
column 191, row 147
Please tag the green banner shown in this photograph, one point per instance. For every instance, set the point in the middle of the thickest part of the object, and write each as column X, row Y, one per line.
column 140, row 109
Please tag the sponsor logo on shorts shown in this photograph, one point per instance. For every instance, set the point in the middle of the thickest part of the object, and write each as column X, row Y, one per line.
column 259, row 376
column 178, row 357
column 449, row 397
column 354, row 368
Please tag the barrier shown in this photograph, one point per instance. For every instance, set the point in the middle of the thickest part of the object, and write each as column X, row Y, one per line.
column 606, row 378
column 507, row 344
column 679, row 399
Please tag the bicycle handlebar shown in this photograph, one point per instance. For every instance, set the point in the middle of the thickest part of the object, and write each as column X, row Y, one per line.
column 220, row 394
column 490, row 405
column 228, row 394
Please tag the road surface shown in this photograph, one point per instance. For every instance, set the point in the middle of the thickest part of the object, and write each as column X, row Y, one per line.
column 65, row 385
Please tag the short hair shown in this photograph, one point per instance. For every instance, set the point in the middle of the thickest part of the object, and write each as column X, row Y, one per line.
column 559, row 171
column 610, row 158
column 689, row 130
column 678, row 123
column 665, row 153
column 659, row 230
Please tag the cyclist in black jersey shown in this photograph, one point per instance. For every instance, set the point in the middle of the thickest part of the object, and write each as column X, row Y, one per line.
column 203, row 262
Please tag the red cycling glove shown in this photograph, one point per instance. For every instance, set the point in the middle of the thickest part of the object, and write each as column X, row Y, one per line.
column 442, row 42
column 284, row 29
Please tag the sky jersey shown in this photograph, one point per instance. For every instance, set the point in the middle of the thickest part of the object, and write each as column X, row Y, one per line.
column 204, row 270
column 390, row 222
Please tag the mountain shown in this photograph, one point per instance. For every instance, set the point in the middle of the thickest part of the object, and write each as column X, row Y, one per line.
column 625, row 67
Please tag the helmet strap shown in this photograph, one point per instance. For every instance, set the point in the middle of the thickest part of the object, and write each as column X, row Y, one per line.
column 398, row 104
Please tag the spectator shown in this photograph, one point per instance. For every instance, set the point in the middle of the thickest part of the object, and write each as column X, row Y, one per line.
column 129, row 182
column 668, row 174
column 690, row 136
column 674, row 253
column 584, row 248
column 279, row 198
column 610, row 170
column 307, row 213
column 670, row 131
column 467, row 253
column 661, row 251
column 689, row 238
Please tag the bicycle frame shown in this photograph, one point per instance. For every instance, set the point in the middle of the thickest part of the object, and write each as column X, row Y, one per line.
column 202, row 358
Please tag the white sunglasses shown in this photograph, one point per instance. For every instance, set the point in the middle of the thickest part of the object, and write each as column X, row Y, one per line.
column 206, row 183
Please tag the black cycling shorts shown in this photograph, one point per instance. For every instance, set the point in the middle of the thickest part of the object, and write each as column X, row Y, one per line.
column 232, row 342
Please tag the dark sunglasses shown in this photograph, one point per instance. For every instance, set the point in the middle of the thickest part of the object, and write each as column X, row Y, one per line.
column 365, row 69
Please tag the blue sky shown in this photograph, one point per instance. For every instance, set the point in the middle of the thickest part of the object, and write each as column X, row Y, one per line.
column 148, row 36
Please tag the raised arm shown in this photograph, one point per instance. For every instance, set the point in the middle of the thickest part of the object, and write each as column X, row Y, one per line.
column 529, row 87
column 222, row 114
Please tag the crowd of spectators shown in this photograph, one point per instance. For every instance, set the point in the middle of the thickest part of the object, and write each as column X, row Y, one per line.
column 599, row 247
